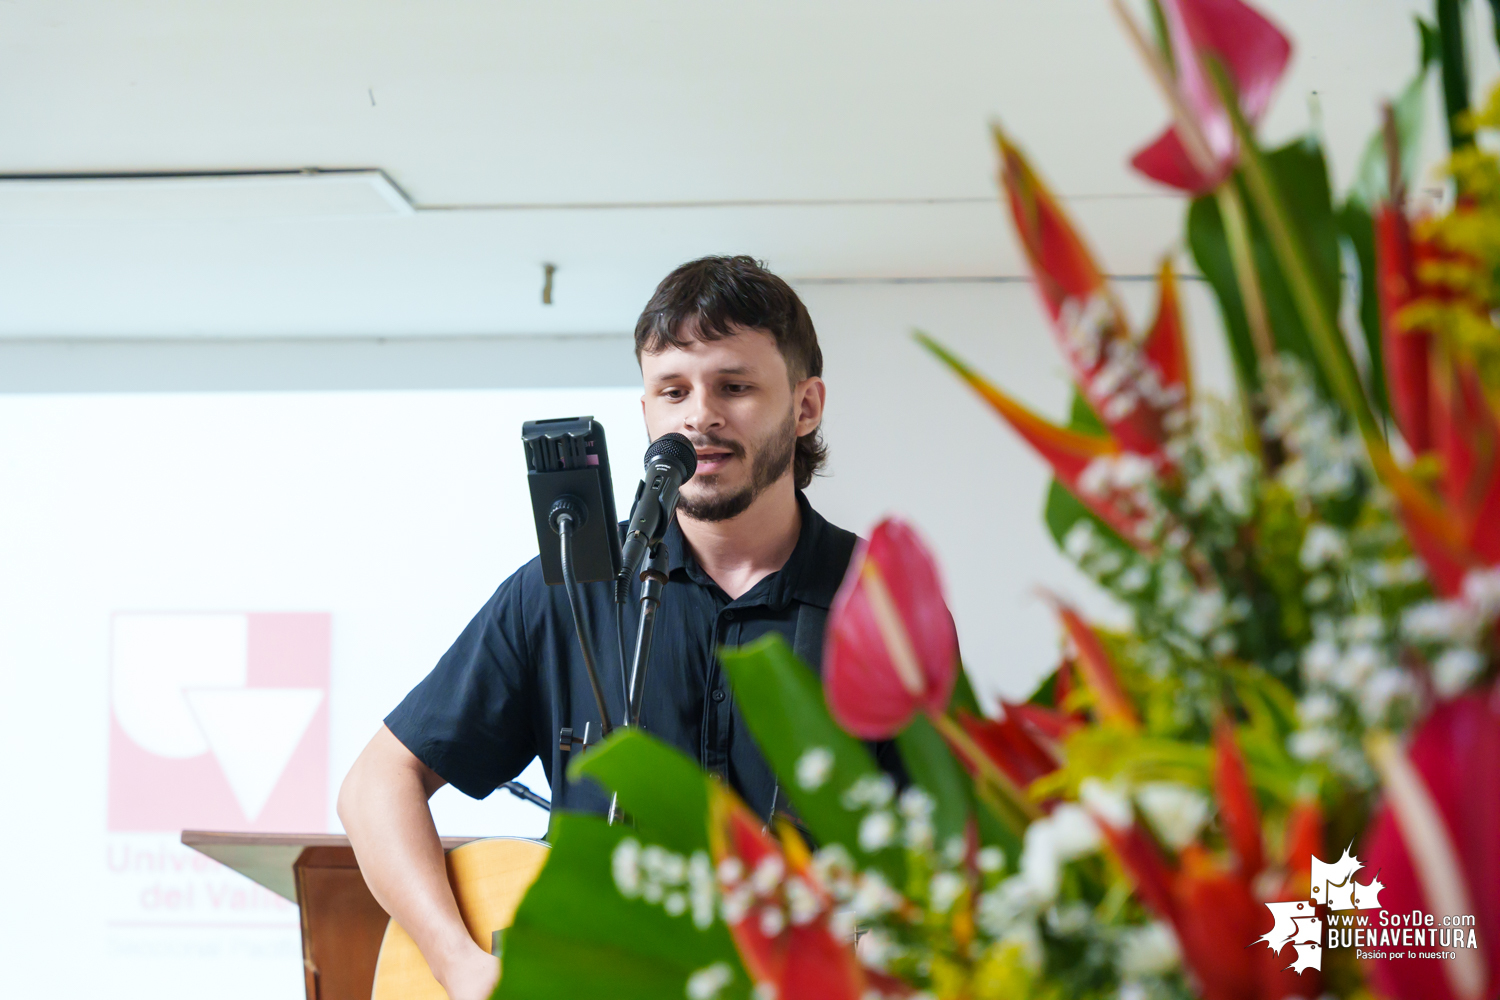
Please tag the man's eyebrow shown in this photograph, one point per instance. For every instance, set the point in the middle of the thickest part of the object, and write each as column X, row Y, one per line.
column 738, row 370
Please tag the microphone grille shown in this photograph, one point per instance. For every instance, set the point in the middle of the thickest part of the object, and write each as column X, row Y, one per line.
column 676, row 449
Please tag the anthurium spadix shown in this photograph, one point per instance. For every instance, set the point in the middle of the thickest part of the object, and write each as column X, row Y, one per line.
column 891, row 647
column 1199, row 149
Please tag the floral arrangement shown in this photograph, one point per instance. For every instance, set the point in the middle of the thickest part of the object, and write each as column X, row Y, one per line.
column 1312, row 575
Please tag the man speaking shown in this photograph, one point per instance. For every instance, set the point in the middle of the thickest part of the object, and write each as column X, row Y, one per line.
column 728, row 358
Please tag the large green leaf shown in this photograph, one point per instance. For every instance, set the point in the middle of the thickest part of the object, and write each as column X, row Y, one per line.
column 782, row 703
column 664, row 792
column 1455, row 71
column 570, row 936
column 1301, row 174
column 931, row 765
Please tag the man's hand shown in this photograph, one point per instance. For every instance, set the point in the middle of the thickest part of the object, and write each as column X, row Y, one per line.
column 383, row 805
column 471, row 975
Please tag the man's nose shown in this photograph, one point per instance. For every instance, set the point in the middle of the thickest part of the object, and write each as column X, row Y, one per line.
column 701, row 415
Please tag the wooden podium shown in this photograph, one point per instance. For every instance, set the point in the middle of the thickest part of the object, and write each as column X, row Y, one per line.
column 342, row 925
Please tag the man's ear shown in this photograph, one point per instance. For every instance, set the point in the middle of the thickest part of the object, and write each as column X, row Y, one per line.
column 812, row 394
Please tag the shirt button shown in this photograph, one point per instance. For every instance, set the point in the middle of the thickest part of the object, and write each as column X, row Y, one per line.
column 729, row 616
column 718, row 694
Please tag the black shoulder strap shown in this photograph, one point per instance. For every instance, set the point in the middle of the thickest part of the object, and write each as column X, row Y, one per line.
column 807, row 640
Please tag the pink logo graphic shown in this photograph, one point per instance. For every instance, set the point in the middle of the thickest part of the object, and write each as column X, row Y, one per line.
column 219, row 721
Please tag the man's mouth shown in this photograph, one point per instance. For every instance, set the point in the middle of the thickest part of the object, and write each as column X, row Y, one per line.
column 711, row 460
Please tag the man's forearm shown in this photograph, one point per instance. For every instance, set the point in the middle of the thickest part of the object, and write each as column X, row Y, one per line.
column 383, row 806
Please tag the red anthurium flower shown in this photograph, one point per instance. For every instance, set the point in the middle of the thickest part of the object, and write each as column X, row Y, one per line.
column 1126, row 386
column 1252, row 50
column 891, row 647
column 1435, row 843
column 777, row 910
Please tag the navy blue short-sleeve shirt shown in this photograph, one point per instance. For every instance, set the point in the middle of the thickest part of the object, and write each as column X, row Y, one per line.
column 515, row 676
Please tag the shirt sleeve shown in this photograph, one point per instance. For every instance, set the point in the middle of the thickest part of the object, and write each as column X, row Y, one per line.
column 470, row 718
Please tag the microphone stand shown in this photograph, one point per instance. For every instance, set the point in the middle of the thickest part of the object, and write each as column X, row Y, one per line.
column 653, row 581
column 563, row 515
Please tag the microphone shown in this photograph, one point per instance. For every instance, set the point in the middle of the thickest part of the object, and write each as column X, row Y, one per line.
column 671, row 461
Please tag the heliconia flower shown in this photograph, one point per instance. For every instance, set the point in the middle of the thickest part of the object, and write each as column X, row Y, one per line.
column 777, row 910
column 1097, row 668
column 1236, row 800
column 1125, row 385
column 1466, row 434
column 1196, row 154
column 1070, row 453
column 1435, row 841
column 1166, row 343
column 891, row 648
column 1215, row 912
column 1023, row 753
column 1405, row 351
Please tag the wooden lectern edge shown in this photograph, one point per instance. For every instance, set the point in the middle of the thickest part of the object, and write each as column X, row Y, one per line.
column 272, row 866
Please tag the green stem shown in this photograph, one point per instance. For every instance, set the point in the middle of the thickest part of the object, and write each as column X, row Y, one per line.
column 1327, row 341
column 1237, row 234
column 1450, row 19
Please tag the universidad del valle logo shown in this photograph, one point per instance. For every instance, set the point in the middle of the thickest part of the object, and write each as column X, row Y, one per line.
column 1374, row 935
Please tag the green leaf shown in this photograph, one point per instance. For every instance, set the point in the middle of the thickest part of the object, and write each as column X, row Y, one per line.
column 1359, row 229
column 1301, row 174
column 663, row 791
column 568, row 939
column 932, row 766
column 782, row 703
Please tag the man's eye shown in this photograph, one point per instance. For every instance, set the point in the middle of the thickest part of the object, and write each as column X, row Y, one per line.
column 673, row 393
column 736, row 388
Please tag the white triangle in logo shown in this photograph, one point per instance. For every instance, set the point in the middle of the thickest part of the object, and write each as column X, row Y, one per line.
column 253, row 733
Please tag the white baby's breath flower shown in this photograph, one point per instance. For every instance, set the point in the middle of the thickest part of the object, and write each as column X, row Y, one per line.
column 1079, row 540
column 814, row 767
column 1481, row 590
column 877, row 830
column 1074, row 831
column 991, row 859
column 1317, row 708
column 701, row 889
column 1070, row 919
column 1441, row 621
column 624, row 865
column 675, row 904
column 1321, row 546
column 772, row 921
column 1151, row 950
column 1454, row 669
column 1176, row 812
column 1109, row 802
column 730, row 870
column 767, row 874
column 708, row 982
column 1312, row 744
column 1319, row 660
column 873, row 896
column 944, row 891
column 803, row 905
column 1134, row 579
column 873, row 791
column 1358, row 664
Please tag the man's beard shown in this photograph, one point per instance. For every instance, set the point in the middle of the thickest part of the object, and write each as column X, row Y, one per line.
column 772, row 459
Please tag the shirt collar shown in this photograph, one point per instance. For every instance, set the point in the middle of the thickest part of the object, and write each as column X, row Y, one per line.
column 811, row 575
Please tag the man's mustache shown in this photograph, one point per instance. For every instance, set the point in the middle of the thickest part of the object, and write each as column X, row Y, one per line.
column 709, row 441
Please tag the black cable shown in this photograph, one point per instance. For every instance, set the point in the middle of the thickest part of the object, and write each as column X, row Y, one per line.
column 580, row 619
column 520, row 791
